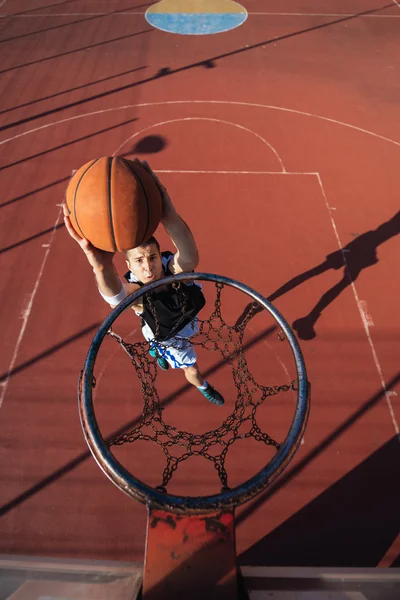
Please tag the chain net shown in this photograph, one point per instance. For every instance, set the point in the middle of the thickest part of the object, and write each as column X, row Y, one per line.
column 215, row 335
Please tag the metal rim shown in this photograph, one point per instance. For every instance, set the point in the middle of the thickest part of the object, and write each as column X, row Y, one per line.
column 146, row 494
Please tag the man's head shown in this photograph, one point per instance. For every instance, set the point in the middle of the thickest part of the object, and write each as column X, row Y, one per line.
column 145, row 261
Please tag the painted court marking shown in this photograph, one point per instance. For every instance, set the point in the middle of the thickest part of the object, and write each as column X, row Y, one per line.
column 26, row 312
column 245, row 104
column 204, row 119
column 225, row 102
column 361, row 305
column 363, row 317
column 250, row 13
column 211, row 172
column 367, row 319
column 196, row 17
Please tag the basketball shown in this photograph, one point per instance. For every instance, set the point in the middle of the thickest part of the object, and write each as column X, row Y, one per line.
column 114, row 203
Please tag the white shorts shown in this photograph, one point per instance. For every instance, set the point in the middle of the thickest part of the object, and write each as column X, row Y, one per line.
column 178, row 351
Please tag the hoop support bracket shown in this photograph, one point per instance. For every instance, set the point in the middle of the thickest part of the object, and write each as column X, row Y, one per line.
column 190, row 556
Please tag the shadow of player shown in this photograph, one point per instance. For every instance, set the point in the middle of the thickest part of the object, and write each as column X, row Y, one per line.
column 354, row 257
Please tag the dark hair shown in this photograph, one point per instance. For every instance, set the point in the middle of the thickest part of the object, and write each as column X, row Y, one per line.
column 151, row 240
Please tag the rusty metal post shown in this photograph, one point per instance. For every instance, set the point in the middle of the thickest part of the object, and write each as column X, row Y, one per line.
column 190, row 557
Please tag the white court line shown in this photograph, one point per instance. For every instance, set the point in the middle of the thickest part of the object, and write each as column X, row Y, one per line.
column 213, row 120
column 250, row 13
column 247, row 105
column 361, row 304
column 194, row 102
column 336, row 15
column 211, row 172
column 27, row 311
column 26, row 314
column 366, row 314
column 362, row 315
column 87, row 14
column 2, row 3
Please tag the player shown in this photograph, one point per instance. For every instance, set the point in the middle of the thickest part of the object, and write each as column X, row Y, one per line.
column 170, row 331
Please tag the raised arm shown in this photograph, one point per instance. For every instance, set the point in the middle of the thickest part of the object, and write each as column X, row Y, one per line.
column 186, row 257
column 108, row 282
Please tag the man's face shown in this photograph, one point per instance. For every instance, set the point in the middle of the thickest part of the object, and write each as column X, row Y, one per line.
column 145, row 263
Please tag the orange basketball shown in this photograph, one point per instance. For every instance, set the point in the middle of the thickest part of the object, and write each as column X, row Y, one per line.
column 114, row 203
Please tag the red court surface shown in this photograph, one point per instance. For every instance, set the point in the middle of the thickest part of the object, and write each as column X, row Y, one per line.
column 279, row 143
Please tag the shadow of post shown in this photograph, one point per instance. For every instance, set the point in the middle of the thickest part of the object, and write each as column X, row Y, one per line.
column 315, row 452
column 351, row 524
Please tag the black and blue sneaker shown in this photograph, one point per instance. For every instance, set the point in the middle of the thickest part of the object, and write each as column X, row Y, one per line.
column 162, row 362
column 212, row 395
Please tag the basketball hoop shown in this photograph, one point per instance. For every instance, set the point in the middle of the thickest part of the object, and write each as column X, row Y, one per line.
column 203, row 521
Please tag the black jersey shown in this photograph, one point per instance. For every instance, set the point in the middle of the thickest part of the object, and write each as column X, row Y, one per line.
column 169, row 309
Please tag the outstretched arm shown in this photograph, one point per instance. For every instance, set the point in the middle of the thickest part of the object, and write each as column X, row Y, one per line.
column 186, row 257
column 107, row 279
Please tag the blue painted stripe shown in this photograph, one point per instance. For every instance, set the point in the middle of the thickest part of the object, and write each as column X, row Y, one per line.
column 195, row 23
column 173, row 361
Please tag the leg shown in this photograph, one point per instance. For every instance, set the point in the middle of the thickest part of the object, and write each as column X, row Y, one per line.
column 194, row 377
